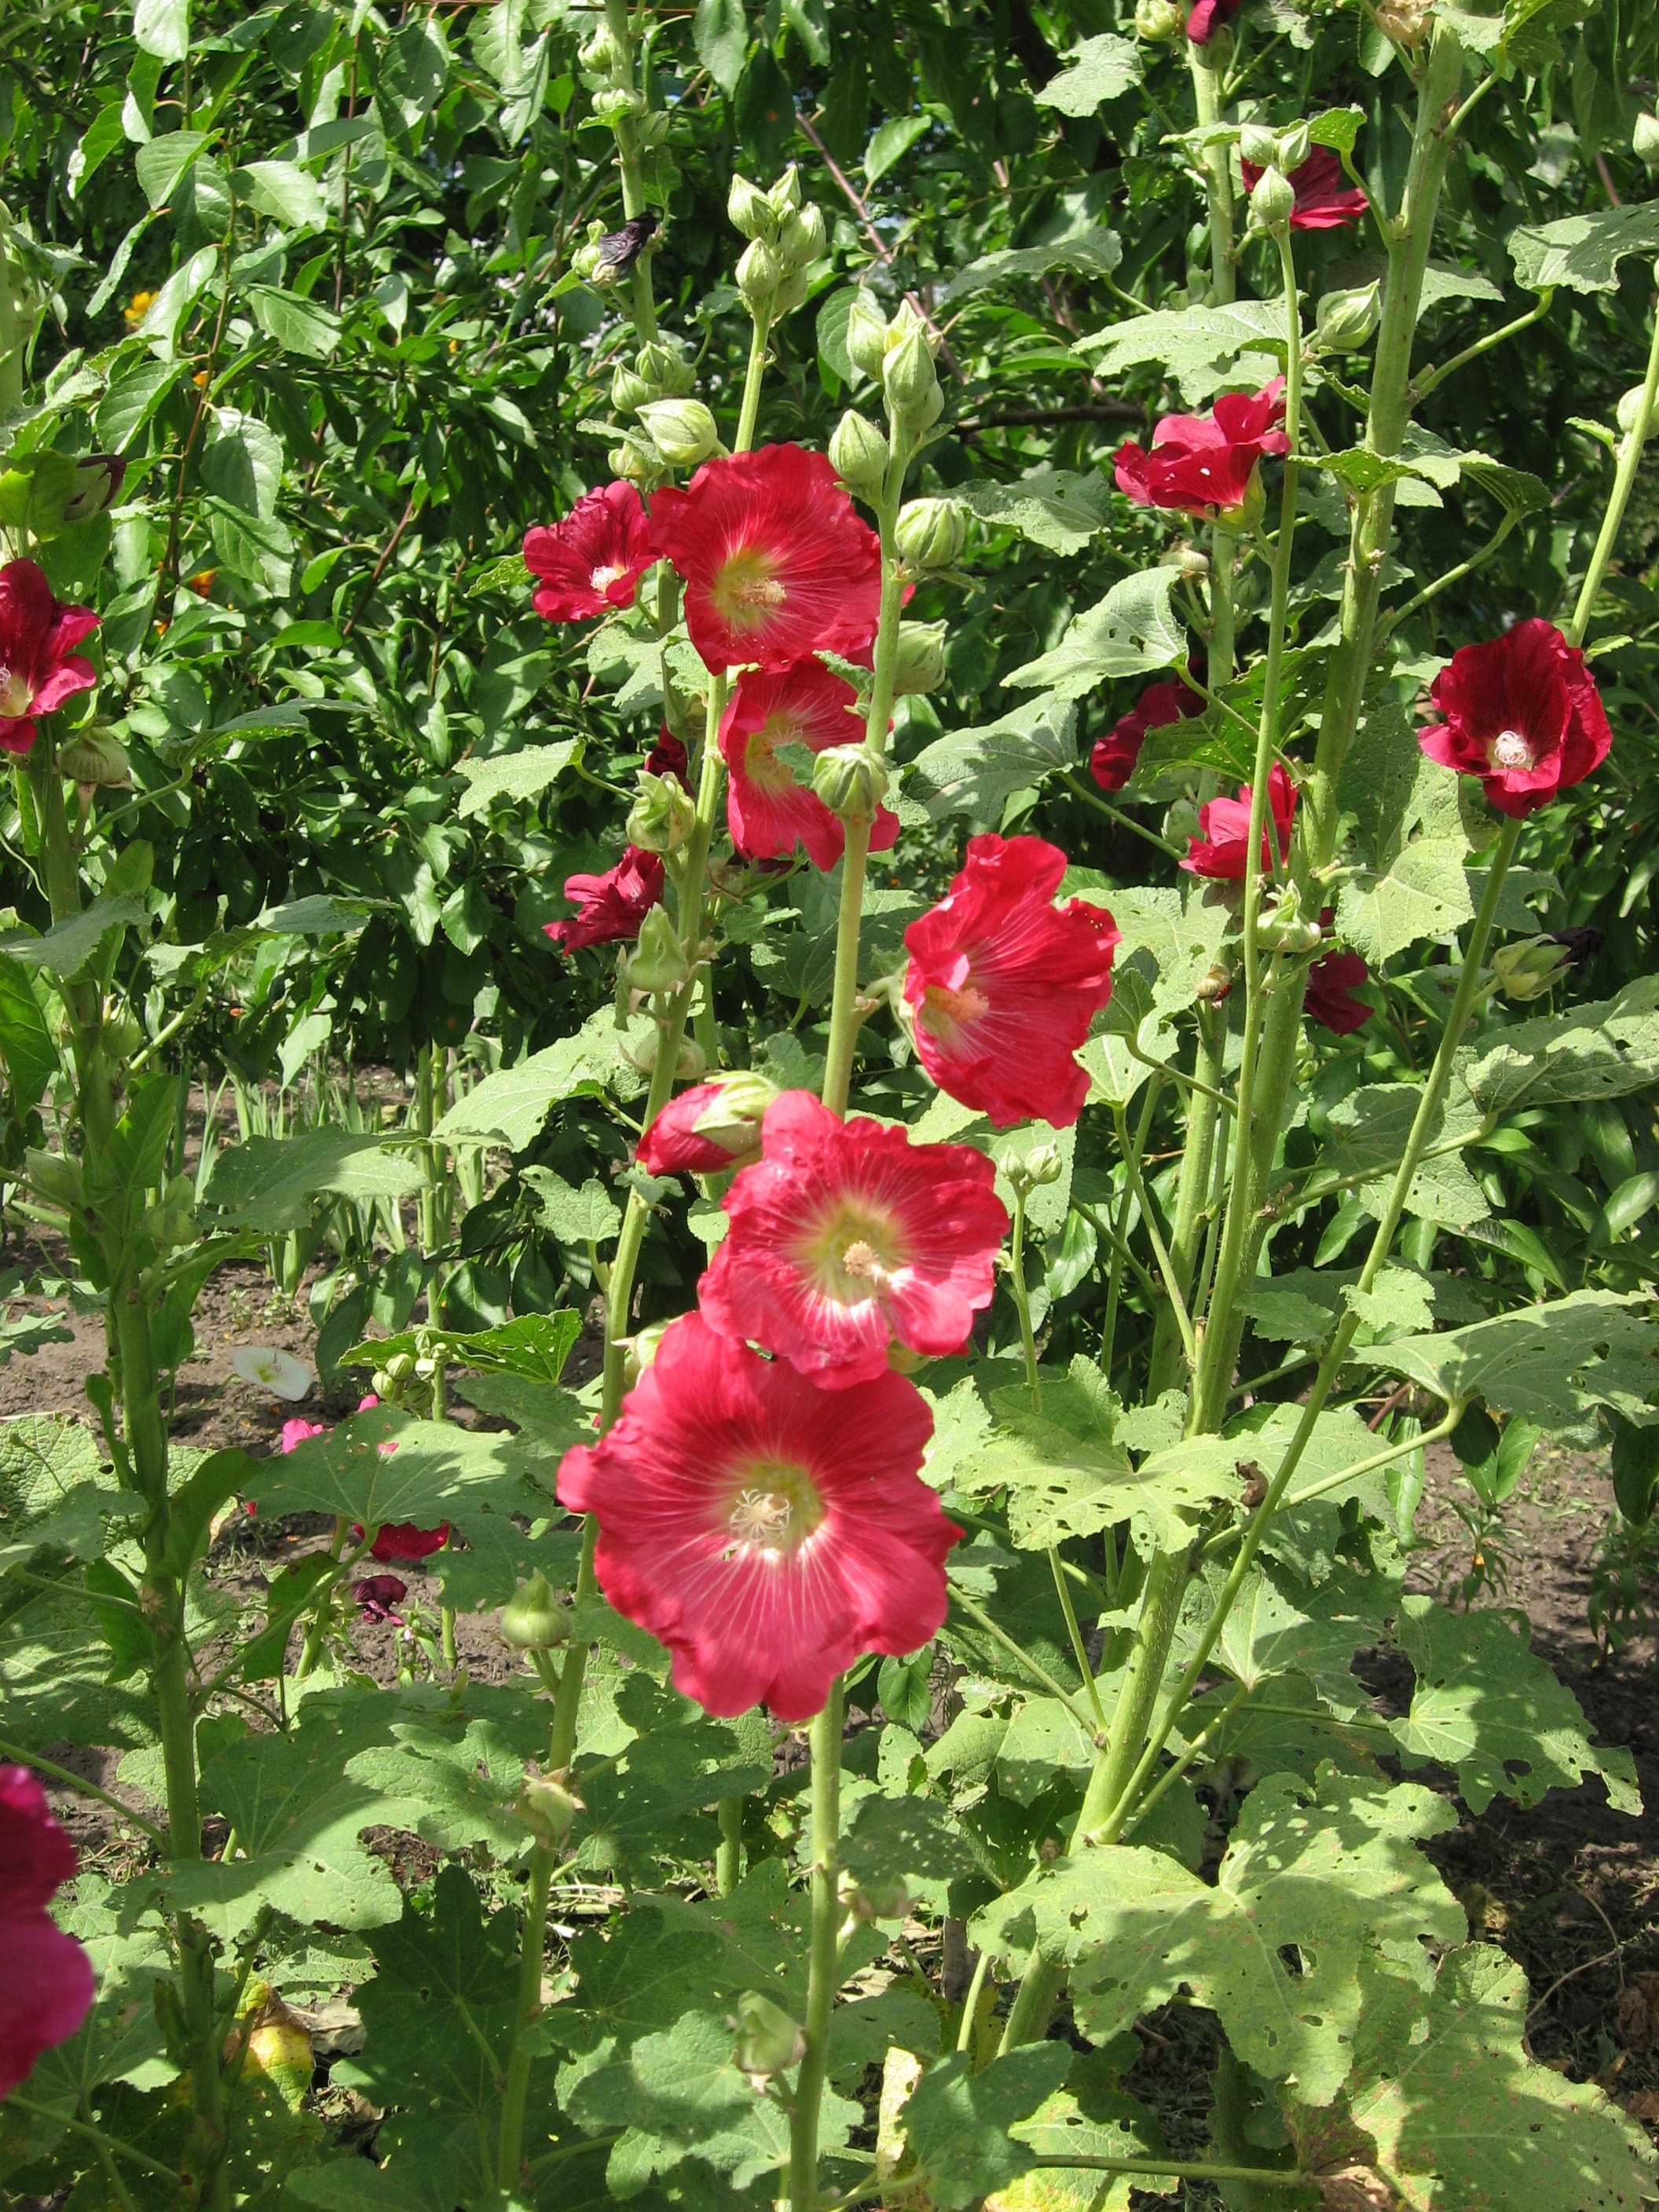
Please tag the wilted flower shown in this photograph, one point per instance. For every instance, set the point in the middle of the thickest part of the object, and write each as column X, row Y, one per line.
column 47, row 1989
column 592, row 561
column 1206, row 465
column 377, row 1594
column 612, row 906
column 1522, row 712
column 1221, row 849
column 1332, row 982
column 1113, row 760
column 1324, row 199
column 279, row 1372
column 39, row 668
column 769, row 1533
column 768, row 812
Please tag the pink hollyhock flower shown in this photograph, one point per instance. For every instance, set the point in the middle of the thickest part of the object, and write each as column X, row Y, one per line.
column 847, row 1237
column 592, row 561
column 298, row 1432
column 1522, row 712
column 367, row 1405
column 1222, row 847
column 1002, row 985
column 610, row 906
column 377, row 1594
column 713, row 1127
column 1203, row 465
column 39, row 668
column 1210, row 16
column 1332, row 982
column 768, row 1532
column 776, row 563
column 402, row 1539
column 768, row 812
column 1113, row 760
column 1324, row 199
column 47, row 1989
column 668, row 756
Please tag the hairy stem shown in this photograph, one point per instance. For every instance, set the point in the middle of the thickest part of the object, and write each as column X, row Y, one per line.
column 823, row 1956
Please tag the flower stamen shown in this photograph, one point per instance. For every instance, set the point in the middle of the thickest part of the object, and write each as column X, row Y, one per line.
column 1510, row 748
column 13, row 693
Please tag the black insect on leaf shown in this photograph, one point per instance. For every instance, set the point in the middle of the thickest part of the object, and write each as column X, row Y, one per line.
column 620, row 249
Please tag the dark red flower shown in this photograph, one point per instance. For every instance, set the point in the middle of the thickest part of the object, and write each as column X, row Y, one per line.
column 610, row 906
column 1522, row 712
column 1002, row 985
column 1203, row 465
column 769, row 1533
column 776, row 564
column 1324, row 199
column 1332, row 982
column 592, row 561
column 47, row 1989
column 1210, row 16
column 846, row 1237
column 768, row 811
column 1113, row 760
column 713, row 1126
column 668, row 756
column 1223, row 845
column 377, row 1594
column 39, row 668
column 402, row 1539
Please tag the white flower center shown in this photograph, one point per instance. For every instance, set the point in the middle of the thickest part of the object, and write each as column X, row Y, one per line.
column 761, row 1516
column 1511, row 750
column 604, row 577
column 13, row 693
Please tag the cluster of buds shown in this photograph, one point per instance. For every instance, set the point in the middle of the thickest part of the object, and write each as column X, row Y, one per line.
column 406, row 1381
column 1276, row 153
column 607, row 67
column 1029, row 1171
column 785, row 239
column 675, row 432
column 899, row 356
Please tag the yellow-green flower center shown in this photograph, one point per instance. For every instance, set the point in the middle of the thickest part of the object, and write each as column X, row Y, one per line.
column 745, row 590
column 851, row 1256
column 774, row 1512
column 946, row 1014
column 13, row 693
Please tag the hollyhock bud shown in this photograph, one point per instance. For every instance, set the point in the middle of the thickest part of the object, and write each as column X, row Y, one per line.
column 532, row 1620
column 749, row 211
column 784, row 196
column 547, row 1808
column 1644, row 140
column 1157, row 21
column 875, row 1897
column 601, row 54
column 1258, row 144
column 792, row 289
column 801, row 238
column 859, row 453
column 636, row 461
column 919, row 658
column 1324, row 199
column 1272, row 201
column 683, row 431
column 95, row 484
column 658, row 963
column 1630, row 408
column 1294, row 147
column 911, row 381
column 1529, row 967
column 48, row 1987
column 629, row 390
column 94, row 755
column 661, row 365
column 851, row 780
column 866, row 335
column 617, row 102
column 710, row 1129
column 1522, row 712
column 931, row 533
column 1345, row 321
column 1284, row 927
column 759, row 274
column 378, row 1595
column 1042, row 1164
column 768, row 2041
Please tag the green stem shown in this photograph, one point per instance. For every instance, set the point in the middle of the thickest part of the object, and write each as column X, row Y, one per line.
column 1079, row 1651
column 627, row 129
column 516, row 2086
column 11, row 345
column 1431, row 378
column 1223, row 557
column 1170, row 1344
column 1171, row 1284
column 1022, row 1297
column 997, row 1634
column 970, row 2001
column 1175, row 2169
column 728, row 1859
column 1630, row 460
column 1207, row 65
column 750, row 412
column 823, row 1956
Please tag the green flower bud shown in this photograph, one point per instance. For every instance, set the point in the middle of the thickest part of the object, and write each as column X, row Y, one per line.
column 1530, row 967
column 758, row 276
column 641, row 1350
column 1158, row 20
column 617, row 102
column 55, row 1179
column 94, row 755
column 875, row 1897
column 171, row 1222
column 683, row 431
column 784, row 196
column 1345, row 321
column 400, row 1368
column 95, row 483
column 663, row 816
column 751, row 212
column 662, row 366
column 601, row 55
column 866, row 335
column 858, row 454
column 1644, row 140
column 629, row 390
column 588, row 261
column 637, row 460
column 931, row 533
column 1029, row 1171
column 1258, row 145
column 851, row 780
column 547, row 1808
column 1294, row 147
column 1272, row 202
column 768, row 2041
column 532, row 1620
column 919, row 664
column 1181, row 823
column 801, row 236
column 658, row 961
column 1630, row 413
column 1284, row 927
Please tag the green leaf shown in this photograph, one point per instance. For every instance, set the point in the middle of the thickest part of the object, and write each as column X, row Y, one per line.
column 121, row 2038
column 1053, row 508
column 1549, row 1364
column 1367, row 1131
column 1599, row 1050
column 533, row 1346
column 162, row 163
column 1487, row 1706
column 719, row 31
column 173, row 302
column 242, row 463
column 290, row 195
column 437, row 1472
column 27, row 1052
column 273, row 1183
column 162, row 27
column 1338, row 128
column 1460, row 2116
column 1200, row 347
column 1322, row 1892
column 520, row 776
column 1086, row 253
column 1099, row 69
column 1582, row 251
column 509, row 1107
column 891, row 143
column 1132, row 631
column 1424, row 893
column 975, row 771
column 259, row 549
column 132, row 397
column 299, row 326
column 958, row 2123
column 67, row 946
column 896, row 1838
column 588, row 1216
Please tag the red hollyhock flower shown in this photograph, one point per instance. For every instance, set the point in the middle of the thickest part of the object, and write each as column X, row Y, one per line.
column 846, row 1237
column 1202, row 465
column 1002, row 985
column 402, row 1539
column 1113, row 760
column 768, row 812
column 1522, row 712
column 713, row 1127
column 1223, row 845
column 377, row 1594
column 668, row 756
column 1332, row 982
column 1324, row 199
column 39, row 668
column 768, row 1532
column 776, row 564
column 47, row 1989
column 1210, row 16
column 592, row 561
column 610, row 906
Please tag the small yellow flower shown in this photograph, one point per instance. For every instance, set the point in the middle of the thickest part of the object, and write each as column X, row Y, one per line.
column 200, row 379
column 137, row 307
column 202, row 581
